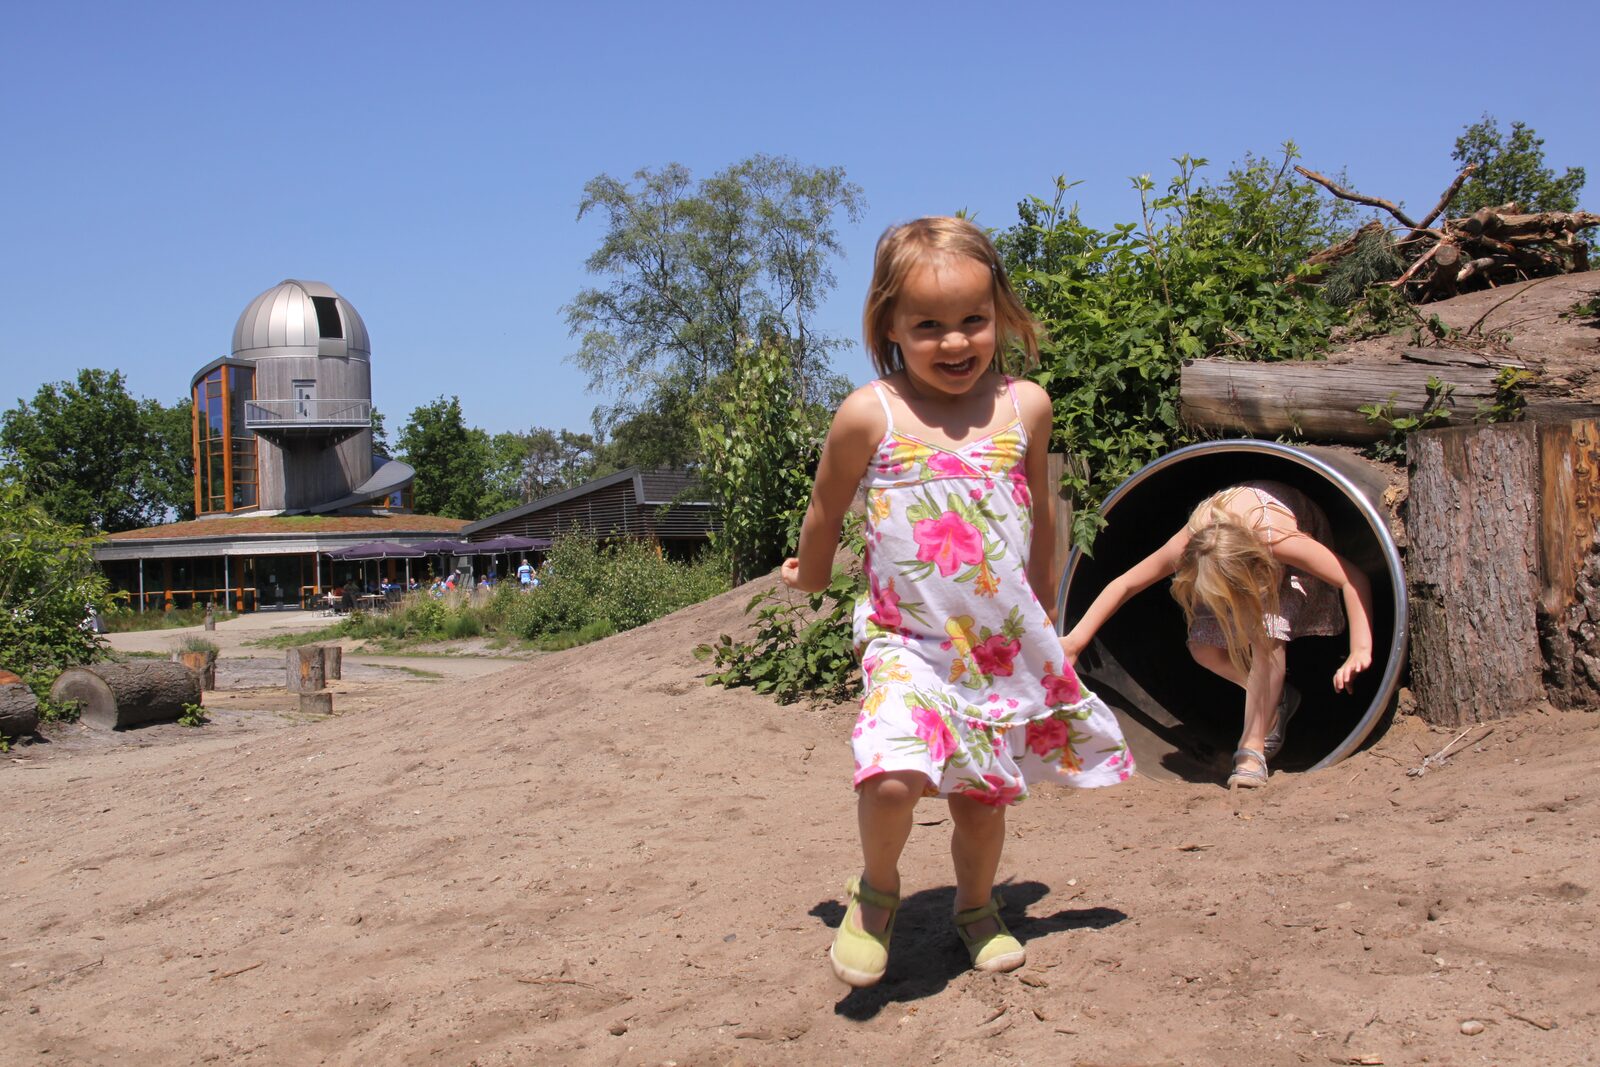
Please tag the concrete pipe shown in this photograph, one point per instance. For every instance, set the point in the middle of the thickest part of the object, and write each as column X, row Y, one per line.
column 1181, row 720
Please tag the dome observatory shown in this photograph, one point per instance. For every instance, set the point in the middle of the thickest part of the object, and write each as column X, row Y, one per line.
column 285, row 423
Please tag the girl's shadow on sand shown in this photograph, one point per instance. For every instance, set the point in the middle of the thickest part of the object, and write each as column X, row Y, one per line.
column 927, row 954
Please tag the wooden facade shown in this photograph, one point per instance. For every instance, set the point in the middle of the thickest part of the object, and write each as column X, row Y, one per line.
column 661, row 506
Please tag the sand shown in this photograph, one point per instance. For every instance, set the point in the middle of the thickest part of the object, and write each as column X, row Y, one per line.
column 592, row 858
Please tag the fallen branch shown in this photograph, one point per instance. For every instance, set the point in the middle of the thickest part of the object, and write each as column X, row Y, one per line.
column 241, row 970
column 1439, row 757
column 1346, row 194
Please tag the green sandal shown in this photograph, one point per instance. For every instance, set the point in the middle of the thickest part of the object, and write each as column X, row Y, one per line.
column 859, row 958
column 998, row 951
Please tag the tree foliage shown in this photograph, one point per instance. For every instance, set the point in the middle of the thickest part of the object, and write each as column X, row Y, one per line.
column 695, row 270
column 451, row 460
column 48, row 583
column 1200, row 273
column 1511, row 168
column 91, row 455
column 759, row 447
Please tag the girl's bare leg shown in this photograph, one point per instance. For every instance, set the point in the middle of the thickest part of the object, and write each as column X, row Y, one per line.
column 1262, row 687
column 975, row 846
column 884, row 805
column 1261, row 692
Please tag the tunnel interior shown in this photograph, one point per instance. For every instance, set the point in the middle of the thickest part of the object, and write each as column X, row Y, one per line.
column 1181, row 720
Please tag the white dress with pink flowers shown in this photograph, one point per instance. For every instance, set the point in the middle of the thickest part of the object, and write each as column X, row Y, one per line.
column 965, row 680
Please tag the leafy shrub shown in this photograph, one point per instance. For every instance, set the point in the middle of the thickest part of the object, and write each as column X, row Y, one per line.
column 1200, row 274
column 48, row 584
column 196, row 643
column 795, row 651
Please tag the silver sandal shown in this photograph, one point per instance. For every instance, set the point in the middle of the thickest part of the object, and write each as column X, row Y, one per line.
column 1248, row 777
column 1288, row 704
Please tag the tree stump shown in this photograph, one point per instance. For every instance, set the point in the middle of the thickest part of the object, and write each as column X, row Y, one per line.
column 305, row 669
column 203, row 663
column 1569, row 562
column 118, row 695
column 320, row 703
column 19, row 708
column 1472, row 570
column 333, row 662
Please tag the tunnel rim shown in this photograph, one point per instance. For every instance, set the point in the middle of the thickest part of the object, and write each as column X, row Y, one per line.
column 1399, row 639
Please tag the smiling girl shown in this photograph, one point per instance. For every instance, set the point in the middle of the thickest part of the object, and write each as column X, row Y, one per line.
column 968, row 692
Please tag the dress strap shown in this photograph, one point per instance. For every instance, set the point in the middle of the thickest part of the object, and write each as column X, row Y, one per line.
column 1011, row 387
column 883, row 399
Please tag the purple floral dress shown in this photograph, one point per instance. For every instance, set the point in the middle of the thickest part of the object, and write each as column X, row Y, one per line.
column 965, row 680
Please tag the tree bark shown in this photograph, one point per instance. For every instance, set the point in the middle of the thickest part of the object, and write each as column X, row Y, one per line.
column 333, row 662
column 1569, row 562
column 19, row 710
column 305, row 669
column 1472, row 516
column 316, row 703
column 118, row 695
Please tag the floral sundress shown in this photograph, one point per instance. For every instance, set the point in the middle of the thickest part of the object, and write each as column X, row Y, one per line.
column 965, row 679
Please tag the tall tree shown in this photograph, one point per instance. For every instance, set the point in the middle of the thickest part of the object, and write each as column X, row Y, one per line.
column 91, row 455
column 1511, row 168
column 451, row 460
column 695, row 270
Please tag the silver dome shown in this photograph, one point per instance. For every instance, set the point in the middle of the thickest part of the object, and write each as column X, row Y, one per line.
column 284, row 321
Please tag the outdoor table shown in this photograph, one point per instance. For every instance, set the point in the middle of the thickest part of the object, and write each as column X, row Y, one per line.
column 369, row 601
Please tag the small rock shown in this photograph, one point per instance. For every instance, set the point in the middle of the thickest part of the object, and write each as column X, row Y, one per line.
column 1472, row 1028
column 1341, row 817
column 618, row 1029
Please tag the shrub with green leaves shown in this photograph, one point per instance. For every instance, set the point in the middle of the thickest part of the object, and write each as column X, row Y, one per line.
column 759, row 448
column 1200, row 273
column 48, row 583
column 794, row 650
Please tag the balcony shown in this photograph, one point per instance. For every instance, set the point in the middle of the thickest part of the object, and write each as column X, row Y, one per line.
column 324, row 419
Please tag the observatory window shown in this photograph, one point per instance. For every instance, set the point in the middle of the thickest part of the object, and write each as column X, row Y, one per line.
column 328, row 324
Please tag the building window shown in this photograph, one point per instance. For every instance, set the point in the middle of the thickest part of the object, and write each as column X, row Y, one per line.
column 224, row 450
column 328, row 323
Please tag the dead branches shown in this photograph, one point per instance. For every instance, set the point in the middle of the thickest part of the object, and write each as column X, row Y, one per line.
column 1490, row 247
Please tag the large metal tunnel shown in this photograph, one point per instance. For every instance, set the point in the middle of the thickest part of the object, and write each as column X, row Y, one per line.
column 1181, row 720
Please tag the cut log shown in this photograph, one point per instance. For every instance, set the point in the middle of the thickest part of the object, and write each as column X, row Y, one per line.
column 204, row 665
column 305, row 669
column 1472, row 515
column 19, row 710
column 316, row 703
column 332, row 662
column 1318, row 401
column 1569, row 562
column 118, row 695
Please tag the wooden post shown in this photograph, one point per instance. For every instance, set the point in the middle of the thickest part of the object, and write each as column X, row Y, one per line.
column 316, row 703
column 332, row 662
column 305, row 669
column 1569, row 561
column 1057, row 467
column 204, row 665
column 1472, row 569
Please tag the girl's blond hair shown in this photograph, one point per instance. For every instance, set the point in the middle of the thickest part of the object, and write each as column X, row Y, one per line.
column 901, row 248
column 1227, row 568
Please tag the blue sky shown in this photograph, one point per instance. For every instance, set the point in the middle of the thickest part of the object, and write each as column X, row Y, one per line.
column 169, row 161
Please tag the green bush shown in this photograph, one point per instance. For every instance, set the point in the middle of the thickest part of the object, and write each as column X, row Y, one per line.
column 625, row 584
column 48, row 584
column 119, row 619
column 1201, row 273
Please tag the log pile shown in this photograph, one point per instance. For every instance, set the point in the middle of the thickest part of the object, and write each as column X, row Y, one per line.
column 1492, row 246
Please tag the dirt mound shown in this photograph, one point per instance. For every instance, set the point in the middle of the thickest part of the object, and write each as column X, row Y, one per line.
column 1529, row 321
column 592, row 858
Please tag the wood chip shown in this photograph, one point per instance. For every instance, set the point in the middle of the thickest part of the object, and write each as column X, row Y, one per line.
column 1191, row 847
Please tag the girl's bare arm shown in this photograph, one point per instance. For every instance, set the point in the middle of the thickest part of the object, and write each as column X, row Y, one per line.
column 1307, row 554
column 857, row 428
column 1142, row 575
column 1034, row 405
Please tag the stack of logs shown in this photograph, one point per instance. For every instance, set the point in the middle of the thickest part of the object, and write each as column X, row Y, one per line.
column 308, row 669
column 1492, row 246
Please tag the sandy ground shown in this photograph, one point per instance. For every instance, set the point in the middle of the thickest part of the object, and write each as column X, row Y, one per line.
column 592, row 858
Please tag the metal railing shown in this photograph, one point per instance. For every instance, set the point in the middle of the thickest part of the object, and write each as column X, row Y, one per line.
column 317, row 411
